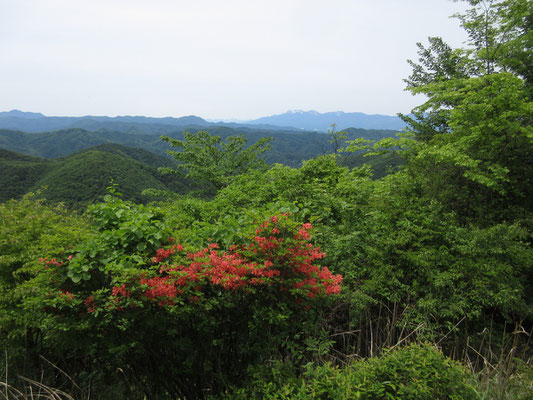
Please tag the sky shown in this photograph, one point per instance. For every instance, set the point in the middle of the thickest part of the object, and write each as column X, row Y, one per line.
column 218, row 59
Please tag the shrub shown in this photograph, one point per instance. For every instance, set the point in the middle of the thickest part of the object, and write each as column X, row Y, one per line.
column 416, row 372
column 179, row 320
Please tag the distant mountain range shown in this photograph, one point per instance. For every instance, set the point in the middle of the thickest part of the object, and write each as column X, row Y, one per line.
column 37, row 122
column 291, row 120
column 315, row 121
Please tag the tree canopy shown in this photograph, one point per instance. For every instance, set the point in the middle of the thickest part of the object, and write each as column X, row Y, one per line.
column 473, row 137
column 206, row 159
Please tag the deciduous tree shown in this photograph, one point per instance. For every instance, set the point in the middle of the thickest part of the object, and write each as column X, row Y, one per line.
column 206, row 159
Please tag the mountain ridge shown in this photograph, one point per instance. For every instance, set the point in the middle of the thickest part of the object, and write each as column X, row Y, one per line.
column 287, row 147
column 316, row 121
column 290, row 120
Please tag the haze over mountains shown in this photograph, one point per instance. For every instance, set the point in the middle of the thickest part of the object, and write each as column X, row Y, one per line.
column 75, row 157
column 291, row 120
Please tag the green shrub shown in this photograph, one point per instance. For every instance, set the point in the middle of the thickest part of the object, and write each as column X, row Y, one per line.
column 170, row 319
column 29, row 229
column 416, row 372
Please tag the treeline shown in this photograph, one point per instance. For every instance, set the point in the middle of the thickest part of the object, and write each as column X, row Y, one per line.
column 310, row 282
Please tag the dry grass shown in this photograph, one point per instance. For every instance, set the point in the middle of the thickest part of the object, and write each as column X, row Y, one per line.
column 30, row 389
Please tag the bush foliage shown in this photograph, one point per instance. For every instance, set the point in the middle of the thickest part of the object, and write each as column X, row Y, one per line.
column 416, row 372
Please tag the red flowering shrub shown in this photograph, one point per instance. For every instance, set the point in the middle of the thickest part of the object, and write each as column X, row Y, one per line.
column 279, row 256
column 240, row 304
column 276, row 257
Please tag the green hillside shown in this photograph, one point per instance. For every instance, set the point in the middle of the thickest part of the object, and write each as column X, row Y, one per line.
column 137, row 154
column 19, row 173
column 287, row 147
column 65, row 142
column 82, row 178
column 76, row 165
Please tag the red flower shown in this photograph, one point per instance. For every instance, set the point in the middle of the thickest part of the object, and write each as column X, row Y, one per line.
column 66, row 294
column 89, row 303
column 120, row 290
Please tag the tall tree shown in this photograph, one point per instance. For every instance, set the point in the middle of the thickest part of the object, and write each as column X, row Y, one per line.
column 500, row 39
column 207, row 160
column 474, row 135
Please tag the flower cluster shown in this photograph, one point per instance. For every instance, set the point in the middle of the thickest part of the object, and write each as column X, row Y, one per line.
column 275, row 257
column 120, row 290
column 279, row 256
column 50, row 262
column 160, row 289
column 90, row 303
column 66, row 295
column 163, row 254
column 297, row 261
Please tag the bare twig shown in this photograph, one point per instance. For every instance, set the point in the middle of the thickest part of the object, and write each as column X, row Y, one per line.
column 405, row 338
column 450, row 331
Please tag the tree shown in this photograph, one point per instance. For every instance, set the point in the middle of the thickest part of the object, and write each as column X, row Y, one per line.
column 500, row 40
column 336, row 138
column 205, row 159
column 500, row 37
column 474, row 135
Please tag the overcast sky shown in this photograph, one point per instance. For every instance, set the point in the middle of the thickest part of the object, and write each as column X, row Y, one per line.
column 214, row 58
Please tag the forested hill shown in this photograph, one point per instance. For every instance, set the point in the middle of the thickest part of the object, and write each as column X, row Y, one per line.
column 76, row 165
column 287, row 147
column 82, row 178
